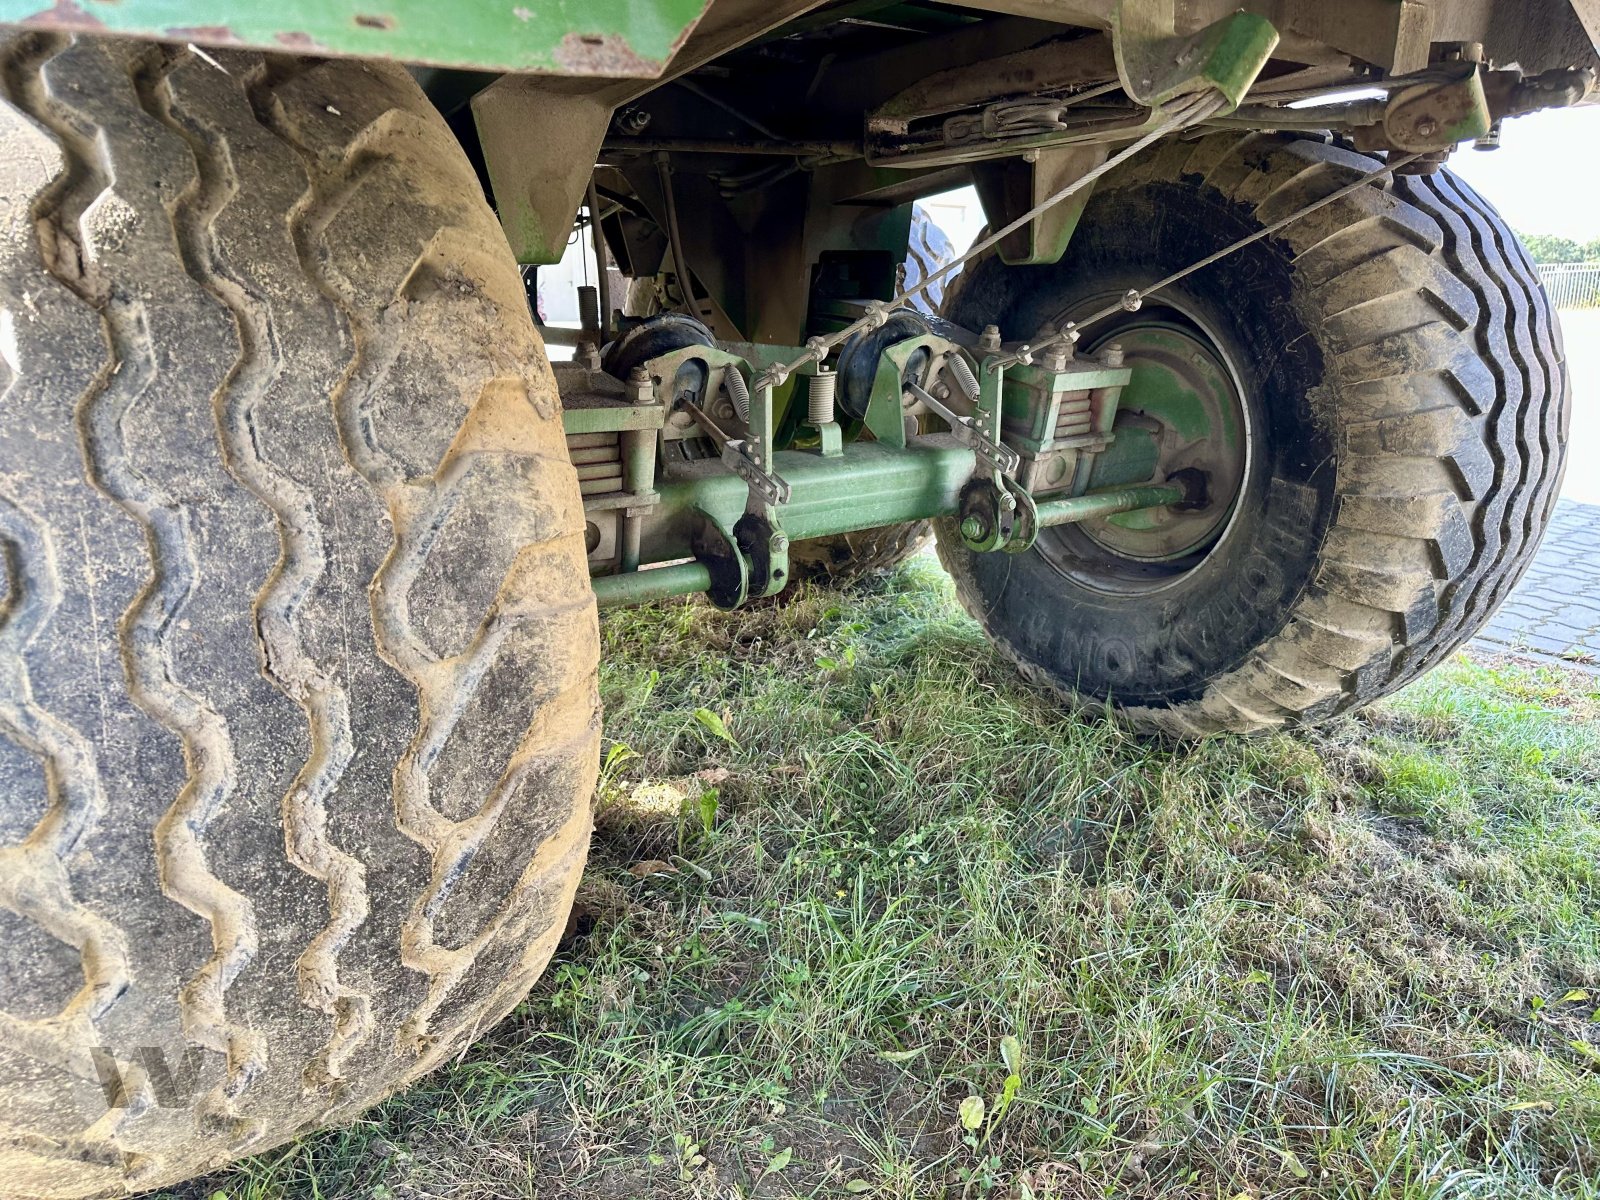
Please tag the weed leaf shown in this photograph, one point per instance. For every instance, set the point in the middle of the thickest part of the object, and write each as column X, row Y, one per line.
column 715, row 725
column 900, row 1056
column 1588, row 1049
column 706, row 806
column 1011, row 1054
column 1292, row 1163
column 971, row 1113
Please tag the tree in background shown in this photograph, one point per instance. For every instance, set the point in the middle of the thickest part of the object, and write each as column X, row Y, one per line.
column 1547, row 248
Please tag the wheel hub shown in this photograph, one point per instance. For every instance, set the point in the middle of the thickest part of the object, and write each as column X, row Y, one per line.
column 1186, row 395
column 1181, row 385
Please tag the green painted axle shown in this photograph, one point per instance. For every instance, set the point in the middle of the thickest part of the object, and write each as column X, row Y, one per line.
column 1105, row 504
column 657, row 583
column 870, row 486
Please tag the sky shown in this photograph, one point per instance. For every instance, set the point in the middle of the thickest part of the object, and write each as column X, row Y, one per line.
column 1545, row 177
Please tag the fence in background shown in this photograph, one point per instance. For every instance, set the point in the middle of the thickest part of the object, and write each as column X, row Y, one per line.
column 1572, row 285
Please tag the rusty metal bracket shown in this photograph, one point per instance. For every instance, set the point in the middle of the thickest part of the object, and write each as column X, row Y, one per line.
column 1156, row 64
column 1431, row 117
column 532, row 135
column 1011, row 186
column 1437, row 116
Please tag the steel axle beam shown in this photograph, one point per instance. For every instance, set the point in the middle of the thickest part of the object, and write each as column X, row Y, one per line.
column 872, row 485
column 1105, row 504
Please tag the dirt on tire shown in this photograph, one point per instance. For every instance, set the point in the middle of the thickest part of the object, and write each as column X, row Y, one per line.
column 298, row 647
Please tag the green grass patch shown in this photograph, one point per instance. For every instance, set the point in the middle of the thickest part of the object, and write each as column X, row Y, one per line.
column 868, row 916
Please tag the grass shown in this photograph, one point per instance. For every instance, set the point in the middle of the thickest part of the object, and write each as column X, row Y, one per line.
column 866, row 916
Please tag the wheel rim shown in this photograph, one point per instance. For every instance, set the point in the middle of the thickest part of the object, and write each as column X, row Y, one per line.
column 1186, row 390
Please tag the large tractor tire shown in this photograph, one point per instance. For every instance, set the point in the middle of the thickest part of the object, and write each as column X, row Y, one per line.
column 297, row 647
column 1382, row 407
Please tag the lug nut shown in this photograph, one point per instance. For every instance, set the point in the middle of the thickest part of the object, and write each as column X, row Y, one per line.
column 640, row 388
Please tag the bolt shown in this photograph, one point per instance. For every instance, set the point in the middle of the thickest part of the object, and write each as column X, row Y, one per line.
column 942, row 390
column 1030, row 156
column 1131, row 300
column 779, row 543
column 1111, row 355
column 973, row 528
column 989, row 339
column 640, row 390
column 1059, row 359
column 1427, row 127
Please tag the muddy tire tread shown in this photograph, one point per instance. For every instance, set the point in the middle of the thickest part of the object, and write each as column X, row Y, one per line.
column 207, row 313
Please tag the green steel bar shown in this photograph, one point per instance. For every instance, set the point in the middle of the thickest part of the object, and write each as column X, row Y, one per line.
column 869, row 485
column 1104, row 504
column 608, row 38
column 656, row 583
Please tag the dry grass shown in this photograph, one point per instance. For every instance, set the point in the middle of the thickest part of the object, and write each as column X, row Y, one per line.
column 1355, row 963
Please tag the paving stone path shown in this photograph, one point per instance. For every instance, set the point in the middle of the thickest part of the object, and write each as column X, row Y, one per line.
column 1555, row 611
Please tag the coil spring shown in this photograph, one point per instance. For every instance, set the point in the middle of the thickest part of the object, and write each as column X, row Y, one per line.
column 738, row 392
column 819, row 397
column 965, row 379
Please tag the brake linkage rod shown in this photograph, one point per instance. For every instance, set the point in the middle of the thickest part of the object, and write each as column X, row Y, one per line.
column 1187, row 111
